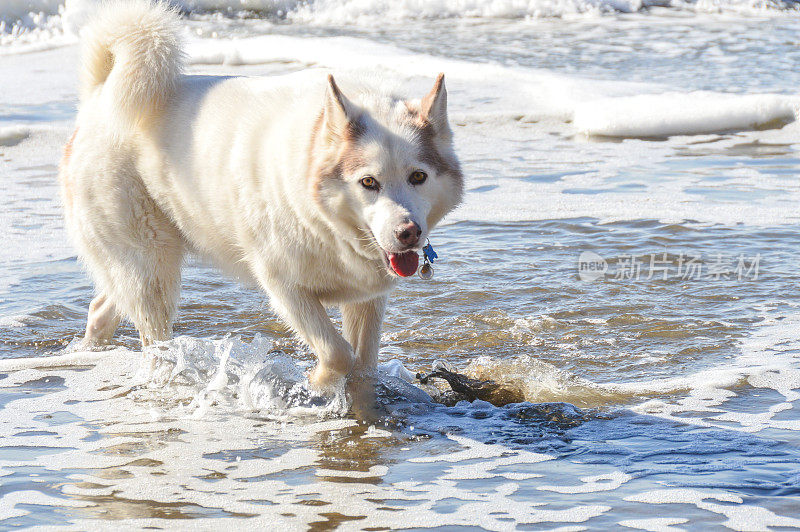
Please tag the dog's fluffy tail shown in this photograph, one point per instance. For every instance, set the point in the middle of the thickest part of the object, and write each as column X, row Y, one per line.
column 132, row 56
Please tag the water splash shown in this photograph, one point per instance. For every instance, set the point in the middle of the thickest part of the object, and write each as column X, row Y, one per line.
column 248, row 377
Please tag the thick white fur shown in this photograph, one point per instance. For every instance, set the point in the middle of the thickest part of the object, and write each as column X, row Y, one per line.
column 261, row 176
column 133, row 49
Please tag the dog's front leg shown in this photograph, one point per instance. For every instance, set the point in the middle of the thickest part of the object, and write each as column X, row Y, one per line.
column 303, row 312
column 361, row 326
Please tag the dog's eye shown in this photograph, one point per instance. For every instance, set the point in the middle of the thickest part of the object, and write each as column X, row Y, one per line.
column 417, row 177
column 370, row 183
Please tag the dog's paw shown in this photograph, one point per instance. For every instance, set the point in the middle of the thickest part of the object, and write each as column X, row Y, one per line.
column 324, row 378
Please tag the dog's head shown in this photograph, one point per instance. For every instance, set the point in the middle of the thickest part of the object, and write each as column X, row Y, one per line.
column 384, row 171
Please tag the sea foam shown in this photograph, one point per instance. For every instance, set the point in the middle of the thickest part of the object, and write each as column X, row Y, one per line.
column 20, row 16
column 691, row 113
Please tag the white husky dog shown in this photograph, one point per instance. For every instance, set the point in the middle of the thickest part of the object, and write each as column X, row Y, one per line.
column 320, row 196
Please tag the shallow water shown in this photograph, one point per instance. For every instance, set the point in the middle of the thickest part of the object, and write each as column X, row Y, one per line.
column 662, row 393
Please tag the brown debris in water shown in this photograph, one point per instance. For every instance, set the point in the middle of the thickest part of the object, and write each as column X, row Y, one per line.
column 464, row 388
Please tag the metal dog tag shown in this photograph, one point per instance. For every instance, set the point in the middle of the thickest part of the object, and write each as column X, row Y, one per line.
column 426, row 271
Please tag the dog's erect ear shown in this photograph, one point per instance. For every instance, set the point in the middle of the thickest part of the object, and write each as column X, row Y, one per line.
column 433, row 107
column 338, row 111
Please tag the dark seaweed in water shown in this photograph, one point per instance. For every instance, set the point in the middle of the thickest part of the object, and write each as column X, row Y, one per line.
column 540, row 419
column 464, row 388
column 542, row 425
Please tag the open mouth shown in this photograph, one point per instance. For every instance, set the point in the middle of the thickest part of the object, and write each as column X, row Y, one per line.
column 403, row 264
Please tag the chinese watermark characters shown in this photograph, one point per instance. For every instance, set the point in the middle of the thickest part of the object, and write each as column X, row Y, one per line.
column 669, row 266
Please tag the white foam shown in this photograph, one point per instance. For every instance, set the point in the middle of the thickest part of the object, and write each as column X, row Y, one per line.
column 740, row 516
column 16, row 321
column 374, row 432
column 487, row 469
column 655, row 524
column 78, row 358
column 364, row 12
column 12, row 10
column 10, row 501
column 683, row 496
column 693, row 113
column 372, row 472
column 346, row 12
column 605, row 482
column 13, row 135
column 395, row 368
column 472, row 449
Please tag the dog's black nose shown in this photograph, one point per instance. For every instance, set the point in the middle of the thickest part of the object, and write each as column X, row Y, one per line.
column 408, row 234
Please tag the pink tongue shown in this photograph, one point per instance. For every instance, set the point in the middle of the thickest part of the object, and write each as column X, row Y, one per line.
column 404, row 264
